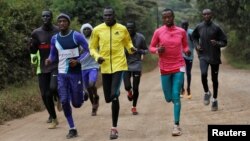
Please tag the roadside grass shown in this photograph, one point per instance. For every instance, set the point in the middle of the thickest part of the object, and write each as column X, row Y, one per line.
column 17, row 102
column 236, row 63
column 20, row 101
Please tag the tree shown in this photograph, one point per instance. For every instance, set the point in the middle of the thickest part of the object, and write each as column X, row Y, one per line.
column 16, row 23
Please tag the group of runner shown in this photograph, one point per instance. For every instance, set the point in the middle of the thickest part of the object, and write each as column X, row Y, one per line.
column 70, row 62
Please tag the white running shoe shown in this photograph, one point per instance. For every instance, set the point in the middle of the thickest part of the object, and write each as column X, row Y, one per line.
column 176, row 130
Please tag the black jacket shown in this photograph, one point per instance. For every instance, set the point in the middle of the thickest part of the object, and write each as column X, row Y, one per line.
column 202, row 34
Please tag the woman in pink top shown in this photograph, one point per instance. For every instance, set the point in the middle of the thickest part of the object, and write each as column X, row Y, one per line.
column 169, row 41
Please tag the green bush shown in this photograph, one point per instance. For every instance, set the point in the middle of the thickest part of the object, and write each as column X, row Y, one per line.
column 16, row 23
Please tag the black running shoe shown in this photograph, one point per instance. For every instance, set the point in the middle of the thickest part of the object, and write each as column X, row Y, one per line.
column 72, row 133
column 214, row 106
column 206, row 100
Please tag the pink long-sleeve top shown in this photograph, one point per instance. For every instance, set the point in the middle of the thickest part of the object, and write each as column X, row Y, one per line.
column 174, row 40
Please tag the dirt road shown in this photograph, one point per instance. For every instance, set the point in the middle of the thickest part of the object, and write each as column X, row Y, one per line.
column 155, row 119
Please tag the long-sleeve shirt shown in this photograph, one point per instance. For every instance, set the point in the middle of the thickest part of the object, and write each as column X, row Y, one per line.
column 134, row 60
column 89, row 62
column 174, row 40
column 110, row 43
column 67, row 47
column 36, row 61
column 190, row 45
column 202, row 35
column 41, row 38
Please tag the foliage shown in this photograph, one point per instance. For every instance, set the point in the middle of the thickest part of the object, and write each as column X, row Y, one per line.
column 86, row 11
column 183, row 9
column 145, row 15
column 16, row 23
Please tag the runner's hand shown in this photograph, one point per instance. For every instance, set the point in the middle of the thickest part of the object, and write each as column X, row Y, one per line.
column 47, row 62
column 198, row 48
column 188, row 53
column 133, row 49
column 73, row 62
column 100, row 60
column 161, row 49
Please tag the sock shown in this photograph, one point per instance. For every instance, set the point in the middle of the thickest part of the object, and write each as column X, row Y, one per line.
column 72, row 128
column 207, row 92
column 177, row 123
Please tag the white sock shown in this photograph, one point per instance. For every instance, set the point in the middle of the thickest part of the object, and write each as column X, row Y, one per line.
column 207, row 92
column 214, row 99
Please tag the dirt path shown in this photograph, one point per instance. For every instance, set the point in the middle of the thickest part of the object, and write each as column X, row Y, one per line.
column 155, row 119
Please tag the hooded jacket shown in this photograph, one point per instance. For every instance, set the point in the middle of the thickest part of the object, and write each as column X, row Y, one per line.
column 86, row 25
column 88, row 62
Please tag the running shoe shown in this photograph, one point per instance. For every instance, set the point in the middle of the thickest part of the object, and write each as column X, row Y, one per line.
column 72, row 133
column 207, row 98
column 113, row 134
column 189, row 96
column 176, row 130
column 53, row 124
column 130, row 95
column 214, row 106
column 134, row 111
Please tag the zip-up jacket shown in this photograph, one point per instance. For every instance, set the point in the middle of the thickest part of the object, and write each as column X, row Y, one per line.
column 174, row 39
column 110, row 42
column 202, row 35
column 89, row 62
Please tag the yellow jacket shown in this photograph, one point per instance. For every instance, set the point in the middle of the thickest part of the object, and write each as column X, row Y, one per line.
column 110, row 43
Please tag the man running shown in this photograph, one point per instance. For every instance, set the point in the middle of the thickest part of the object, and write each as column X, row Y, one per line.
column 134, row 65
column 47, row 78
column 188, row 59
column 169, row 41
column 209, row 39
column 107, row 44
column 90, row 70
column 66, row 47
